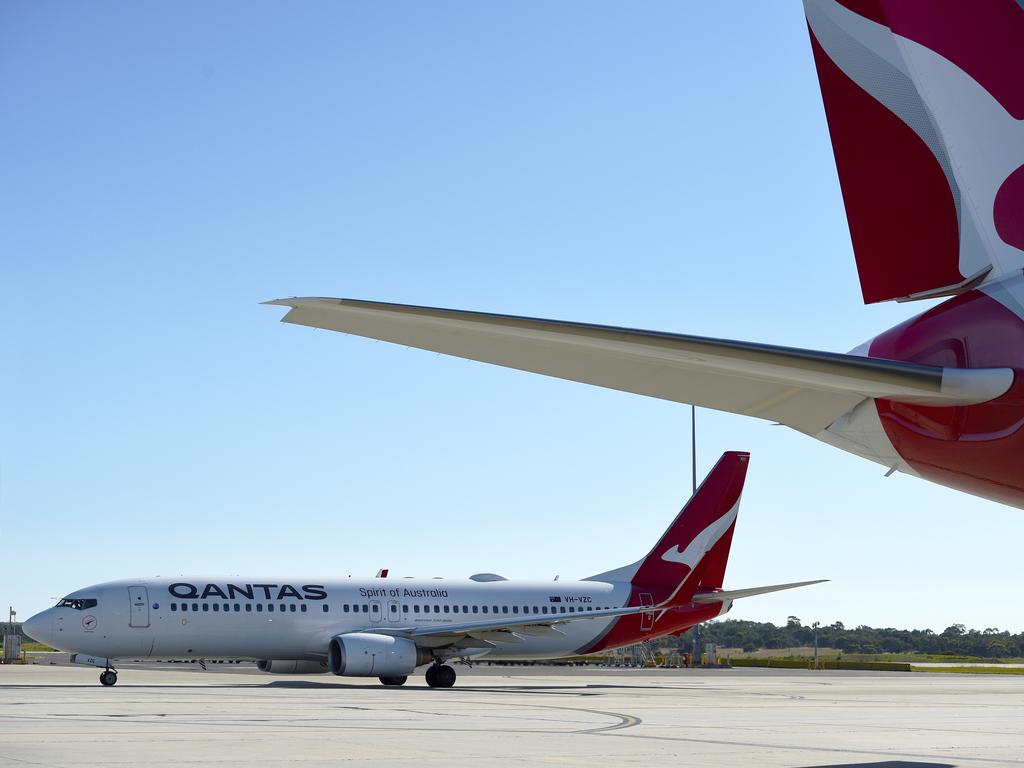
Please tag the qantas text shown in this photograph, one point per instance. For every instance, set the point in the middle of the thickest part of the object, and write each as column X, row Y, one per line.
column 185, row 591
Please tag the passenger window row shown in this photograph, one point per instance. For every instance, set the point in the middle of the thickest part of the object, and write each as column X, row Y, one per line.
column 504, row 609
column 365, row 608
column 237, row 607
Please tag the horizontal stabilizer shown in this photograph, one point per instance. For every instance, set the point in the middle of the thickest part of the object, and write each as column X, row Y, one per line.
column 803, row 389
column 734, row 594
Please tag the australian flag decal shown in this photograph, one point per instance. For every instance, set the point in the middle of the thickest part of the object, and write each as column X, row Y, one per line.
column 554, row 599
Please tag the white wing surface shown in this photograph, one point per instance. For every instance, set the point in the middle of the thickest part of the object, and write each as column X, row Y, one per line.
column 803, row 389
column 508, row 630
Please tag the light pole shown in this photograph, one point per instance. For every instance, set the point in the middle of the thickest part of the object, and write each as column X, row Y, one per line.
column 693, row 445
column 693, row 467
column 816, row 625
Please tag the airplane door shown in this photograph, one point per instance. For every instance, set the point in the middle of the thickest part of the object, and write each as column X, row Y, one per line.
column 393, row 611
column 646, row 619
column 375, row 612
column 138, row 601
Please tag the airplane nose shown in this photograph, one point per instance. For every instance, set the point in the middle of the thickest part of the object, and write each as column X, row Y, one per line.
column 38, row 627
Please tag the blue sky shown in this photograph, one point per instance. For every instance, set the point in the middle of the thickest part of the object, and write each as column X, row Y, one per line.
column 664, row 166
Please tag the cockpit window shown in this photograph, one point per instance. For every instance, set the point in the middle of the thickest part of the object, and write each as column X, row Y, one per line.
column 78, row 603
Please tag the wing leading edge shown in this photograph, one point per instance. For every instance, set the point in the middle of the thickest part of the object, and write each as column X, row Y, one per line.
column 803, row 389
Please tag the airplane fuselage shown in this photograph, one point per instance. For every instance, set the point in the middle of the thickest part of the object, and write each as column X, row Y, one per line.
column 215, row 617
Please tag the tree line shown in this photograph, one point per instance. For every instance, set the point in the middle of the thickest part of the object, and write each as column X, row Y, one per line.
column 955, row 640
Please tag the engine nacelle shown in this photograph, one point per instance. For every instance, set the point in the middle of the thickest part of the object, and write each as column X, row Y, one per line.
column 366, row 654
column 291, row 667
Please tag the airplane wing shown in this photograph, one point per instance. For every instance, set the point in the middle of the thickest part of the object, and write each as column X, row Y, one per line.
column 803, row 389
column 487, row 634
column 734, row 594
column 507, row 630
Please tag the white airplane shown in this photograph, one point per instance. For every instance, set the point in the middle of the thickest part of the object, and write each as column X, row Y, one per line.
column 385, row 628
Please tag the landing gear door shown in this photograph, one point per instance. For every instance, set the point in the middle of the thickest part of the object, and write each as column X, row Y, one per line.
column 138, row 601
column 646, row 619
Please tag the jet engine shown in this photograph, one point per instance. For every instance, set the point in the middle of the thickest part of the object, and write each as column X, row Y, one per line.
column 291, row 667
column 366, row 654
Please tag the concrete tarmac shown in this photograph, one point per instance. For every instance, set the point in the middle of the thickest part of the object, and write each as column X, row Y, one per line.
column 177, row 715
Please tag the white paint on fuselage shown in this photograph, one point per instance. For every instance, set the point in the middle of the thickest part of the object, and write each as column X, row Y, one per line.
column 860, row 432
column 254, row 631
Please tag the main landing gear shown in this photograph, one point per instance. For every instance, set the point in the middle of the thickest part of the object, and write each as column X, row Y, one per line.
column 393, row 680
column 108, row 677
column 440, row 676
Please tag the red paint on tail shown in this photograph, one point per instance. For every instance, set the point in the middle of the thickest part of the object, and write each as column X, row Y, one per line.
column 691, row 554
column 706, row 521
column 899, row 206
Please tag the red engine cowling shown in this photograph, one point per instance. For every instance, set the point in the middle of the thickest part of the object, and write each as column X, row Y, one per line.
column 291, row 667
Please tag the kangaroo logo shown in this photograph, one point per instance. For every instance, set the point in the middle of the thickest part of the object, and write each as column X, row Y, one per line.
column 675, row 555
column 702, row 542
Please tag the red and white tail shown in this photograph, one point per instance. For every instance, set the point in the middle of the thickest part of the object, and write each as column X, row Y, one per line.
column 680, row 580
column 925, row 106
column 694, row 550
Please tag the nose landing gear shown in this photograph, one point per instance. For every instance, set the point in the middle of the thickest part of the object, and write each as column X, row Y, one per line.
column 108, row 677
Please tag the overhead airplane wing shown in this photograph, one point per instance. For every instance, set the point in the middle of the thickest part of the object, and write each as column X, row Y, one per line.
column 734, row 594
column 803, row 389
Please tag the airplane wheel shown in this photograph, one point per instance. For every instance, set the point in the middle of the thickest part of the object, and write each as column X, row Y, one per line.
column 394, row 680
column 444, row 677
column 431, row 676
column 108, row 677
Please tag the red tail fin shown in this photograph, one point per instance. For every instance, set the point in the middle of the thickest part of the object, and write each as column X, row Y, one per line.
column 712, row 567
column 695, row 548
column 702, row 529
column 925, row 100
column 691, row 553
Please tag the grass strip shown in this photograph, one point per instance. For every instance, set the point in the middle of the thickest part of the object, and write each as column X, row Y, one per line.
column 971, row 670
